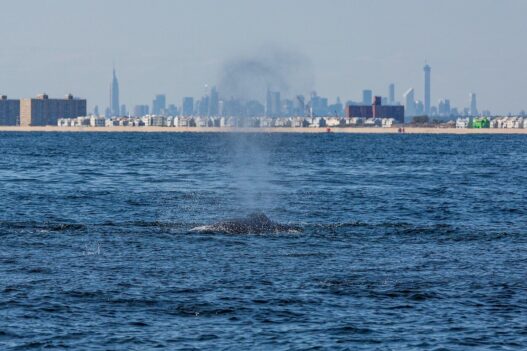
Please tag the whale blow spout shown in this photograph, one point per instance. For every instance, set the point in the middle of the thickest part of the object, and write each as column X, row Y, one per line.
column 256, row 223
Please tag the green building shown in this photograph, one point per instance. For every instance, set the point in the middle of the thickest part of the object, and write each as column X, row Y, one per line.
column 482, row 122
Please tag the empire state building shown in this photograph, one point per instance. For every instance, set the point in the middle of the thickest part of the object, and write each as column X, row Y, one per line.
column 114, row 96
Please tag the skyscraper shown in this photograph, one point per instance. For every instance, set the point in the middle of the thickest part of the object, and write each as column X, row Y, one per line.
column 337, row 109
column 273, row 104
column 391, row 94
column 473, row 105
column 428, row 71
column 141, row 110
column 276, row 103
column 203, row 106
column 367, row 97
column 409, row 102
column 115, row 108
column 213, row 102
column 300, row 105
column 319, row 106
column 268, row 104
column 444, row 108
column 159, row 104
column 419, row 108
column 187, row 108
column 172, row 110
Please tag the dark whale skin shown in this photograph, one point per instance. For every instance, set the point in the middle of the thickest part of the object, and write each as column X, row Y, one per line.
column 256, row 223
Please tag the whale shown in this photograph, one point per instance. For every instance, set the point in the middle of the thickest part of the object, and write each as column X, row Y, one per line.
column 255, row 223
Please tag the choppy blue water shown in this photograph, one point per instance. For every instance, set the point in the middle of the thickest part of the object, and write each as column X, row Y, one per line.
column 410, row 242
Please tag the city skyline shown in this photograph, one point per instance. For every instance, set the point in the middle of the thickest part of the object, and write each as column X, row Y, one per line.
column 275, row 105
column 177, row 53
column 413, row 107
column 214, row 104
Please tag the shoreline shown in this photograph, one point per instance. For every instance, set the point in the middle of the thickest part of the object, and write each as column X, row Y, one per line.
column 356, row 130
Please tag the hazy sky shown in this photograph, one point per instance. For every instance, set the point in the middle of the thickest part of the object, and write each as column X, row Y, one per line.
column 178, row 46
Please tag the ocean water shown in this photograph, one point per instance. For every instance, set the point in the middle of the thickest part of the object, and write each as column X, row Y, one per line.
column 410, row 242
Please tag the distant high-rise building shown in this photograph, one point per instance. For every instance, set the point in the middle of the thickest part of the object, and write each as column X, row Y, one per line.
column 44, row 111
column 419, row 108
column 337, row 109
column 141, row 110
column 172, row 110
column 444, row 107
column 9, row 111
column 187, row 108
column 319, row 106
column 234, row 107
column 214, row 101
column 276, row 103
column 391, row 94
column 96, row 110
column 427, row 70
column 124, row 112
column 159, row 104
column 300, row 105
column 273, row 104
column 473, row 105
column 221, row 108
column 268, row 106
column 253, row 108
column 115, row 108
column 367, row 97
column 409, row 102
column 287, row 107
column 203, row 106
column 197, row 106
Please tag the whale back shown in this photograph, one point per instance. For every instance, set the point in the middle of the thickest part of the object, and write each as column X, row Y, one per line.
column 255, row 223
column 259, row 219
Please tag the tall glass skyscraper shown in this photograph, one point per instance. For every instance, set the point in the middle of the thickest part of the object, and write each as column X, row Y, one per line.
column 473, row 105
column 409, row 103
column 427, row 70
column 159, row 104
column 115, row 108
column 367, row 97
column 391, row 94
column 214, row 102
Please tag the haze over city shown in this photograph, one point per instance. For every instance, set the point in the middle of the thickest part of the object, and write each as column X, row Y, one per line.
column 177, row 47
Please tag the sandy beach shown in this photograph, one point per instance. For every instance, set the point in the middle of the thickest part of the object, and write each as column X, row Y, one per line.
column 408, row 130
